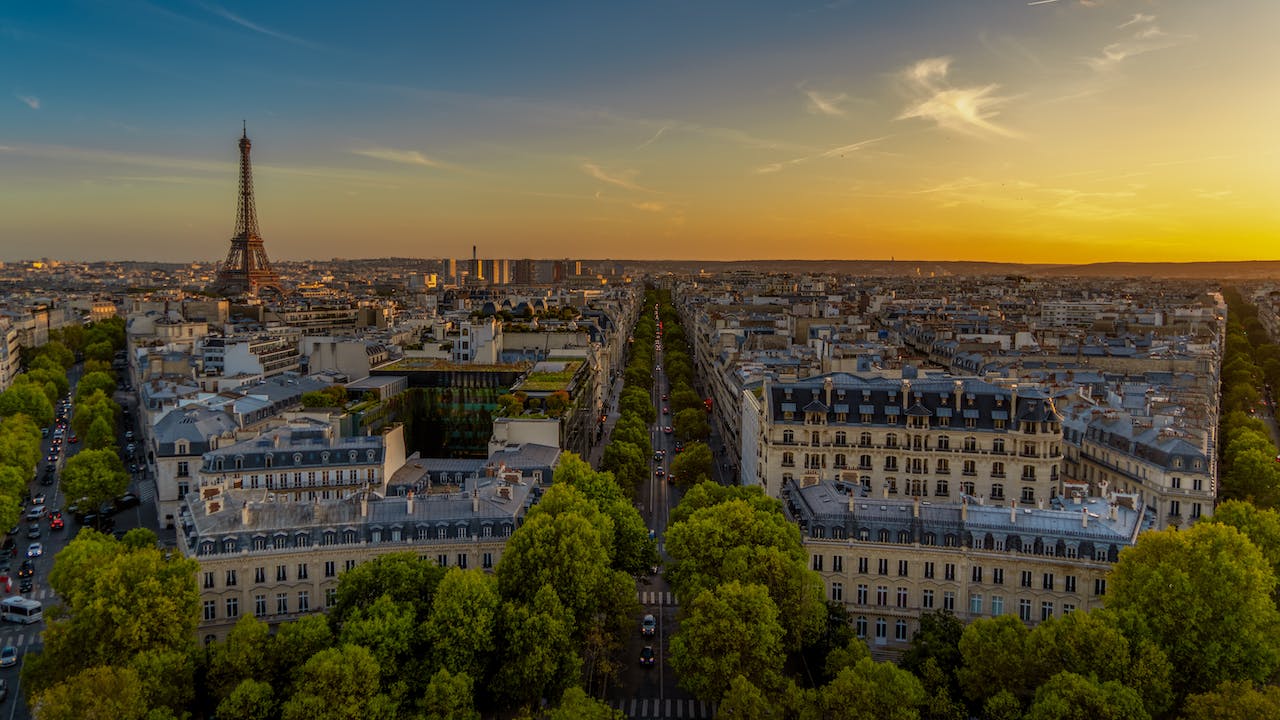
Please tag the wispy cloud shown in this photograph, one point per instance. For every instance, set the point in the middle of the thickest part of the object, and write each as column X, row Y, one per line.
column 1145, row 36
column 226, row 14
column 1042, row 2
column 404, row 157
column 963, row 109
column 654, row 138
column 835, row 152
column 824, row 104
column 654, row 207
column 622, row 179
column 30, row 101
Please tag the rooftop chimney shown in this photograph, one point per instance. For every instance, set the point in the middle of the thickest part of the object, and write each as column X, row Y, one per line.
column 915, row 507
column 964, row 510
column 1115, row 514
column 364, row 504
column 409, row 503
column 246, row 516
column 1084, row 517
column 475, row 500
column 1013, row 512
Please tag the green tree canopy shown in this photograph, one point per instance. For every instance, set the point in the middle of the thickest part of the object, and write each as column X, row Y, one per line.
column 728, row 631
column 1205, row 597
column 1068, row 696
column 449, row 696
column 29, row 399
column 403, row 577
column 102, row 692
column 95, row 382
column 335, row 684
column 873, row 690
column 463, row 626
column 691, row 424
column 693, row 466
column 994, row 658
column 92, row 477
column 1233, row 701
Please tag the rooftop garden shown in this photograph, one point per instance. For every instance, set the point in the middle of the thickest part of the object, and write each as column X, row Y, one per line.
column 543, row 381
column 410, row 363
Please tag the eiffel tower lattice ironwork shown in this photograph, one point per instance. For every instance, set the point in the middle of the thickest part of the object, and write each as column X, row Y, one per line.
column 246, row 271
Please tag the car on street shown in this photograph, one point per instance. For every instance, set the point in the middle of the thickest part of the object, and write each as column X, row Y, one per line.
column 74, row 439
column 36, row 512
column 8, row 656
column 38, row 499
column 127, row 500
column 648, row 626
column 646, row 656
column 679, row 446
column 56, row 522
column 27, row 569
column 660, row 472
column 33, row 531
column 664, row 396
column 26, row 585
column 667, row 430
column 128, row 435
column 666, row 410
column 35, row 550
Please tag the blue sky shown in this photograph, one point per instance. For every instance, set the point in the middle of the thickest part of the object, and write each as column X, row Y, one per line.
column 939, row 130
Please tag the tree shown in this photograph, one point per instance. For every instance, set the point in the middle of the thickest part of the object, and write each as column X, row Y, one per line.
column 95, row 382
column 626, row 462
column 938, row 639
column 167, row 679
column 244, row 655
column 994, row 658
column 693, row 466
column 404, row 577
column 250, row 700
column 1204, row 596
column 1262, row 527
column 463, row 625
column 93, row 477
column 58, row 353
column 334, row 684
column 100, row 350
column 873, row 690
column 728, row 631
column 118, row 602
column 1233, row 701
column 691, row 424
column 389, row 631
column 449, row 696
column 103, row 692
column 13, row 483
column 577, row 705
column 686, row 399
column 1068, row 696
column 295, row 643
column 540, row 660
column 746, row 702
column 853, row 652
column 28, row 399
column 100, row 435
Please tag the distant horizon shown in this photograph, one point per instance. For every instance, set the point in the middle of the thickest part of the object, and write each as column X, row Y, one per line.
column 992, row 131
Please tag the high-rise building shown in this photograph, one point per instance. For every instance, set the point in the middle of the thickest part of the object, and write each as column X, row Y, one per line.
column 246, row 271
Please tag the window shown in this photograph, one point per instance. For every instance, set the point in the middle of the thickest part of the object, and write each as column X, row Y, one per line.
column 348, row 564
column 976, row 573
column 788, row 436
column 210, row 610
column 233, row 607
column 1026, row 579
column 902, row 597
column 864, row 462
column 1047, row 581
column 282, row 604
column 975, row 604
column 900, row 630
column 949, row 601
column 462, row 560
column 997, row 445
column 882, row 629
column 861, row 626
column 282, row 573
column 943, row 488
column 260, row 605
column 1175, row 507
column 330, row 597
column 862, row 564
column 1068, row 608
column 1195, row 510
column 304, row 601
column 841, row 438
column 330, row 568
column 817, row 563
column 997, row 606
column 970, row 444
column 950, row 569
column 208, row 580
column 997, row 491
column 928, row 570
column 486, row 560
column 882, row 595
column 926, row 599
column 997, row 470
column 231, row 578
column 442, row 560
column 997, row 576
column 302, row 571
column 865, row 438
column 837, row 563
column 944, row 467
column 183, row 489
column 1046, row 610
column 837, row 592
column 259, row 574
column 1024, row 610
column 903, row 568
column 882, row 566
column 184, row 470
column 969, row 468
column 862, row 594
column 788, row 459
column 1100, row 586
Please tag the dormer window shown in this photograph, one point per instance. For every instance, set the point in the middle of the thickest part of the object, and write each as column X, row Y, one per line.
column 269, row 458
column 182, row 447
column 239, row 462
column 217, row 464
column 369, row 454
column 297, row 458
column 324, row 456
column 351, row 456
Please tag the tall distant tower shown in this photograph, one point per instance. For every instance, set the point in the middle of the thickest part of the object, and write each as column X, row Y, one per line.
column 246, row 271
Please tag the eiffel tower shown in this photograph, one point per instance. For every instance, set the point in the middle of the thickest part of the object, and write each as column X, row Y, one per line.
column 246, row 271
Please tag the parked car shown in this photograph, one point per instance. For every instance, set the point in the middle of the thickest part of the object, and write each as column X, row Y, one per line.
column 127, row 500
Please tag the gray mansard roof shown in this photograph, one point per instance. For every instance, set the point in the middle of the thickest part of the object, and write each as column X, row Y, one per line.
column 303, row 443
column 881, row 399
column 220, row 526
column 194, row 424
column 823, row 510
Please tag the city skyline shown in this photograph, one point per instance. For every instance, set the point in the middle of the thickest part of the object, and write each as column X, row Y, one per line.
column 1042, row 131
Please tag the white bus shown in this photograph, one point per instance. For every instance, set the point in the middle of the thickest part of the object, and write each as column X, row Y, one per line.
column 18, row 609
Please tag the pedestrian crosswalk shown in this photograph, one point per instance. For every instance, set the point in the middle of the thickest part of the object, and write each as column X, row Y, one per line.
column 146, row 491
column 655, row 597
column 665, row 708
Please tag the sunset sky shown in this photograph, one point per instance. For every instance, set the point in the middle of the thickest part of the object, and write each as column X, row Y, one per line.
column 1049, row 131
